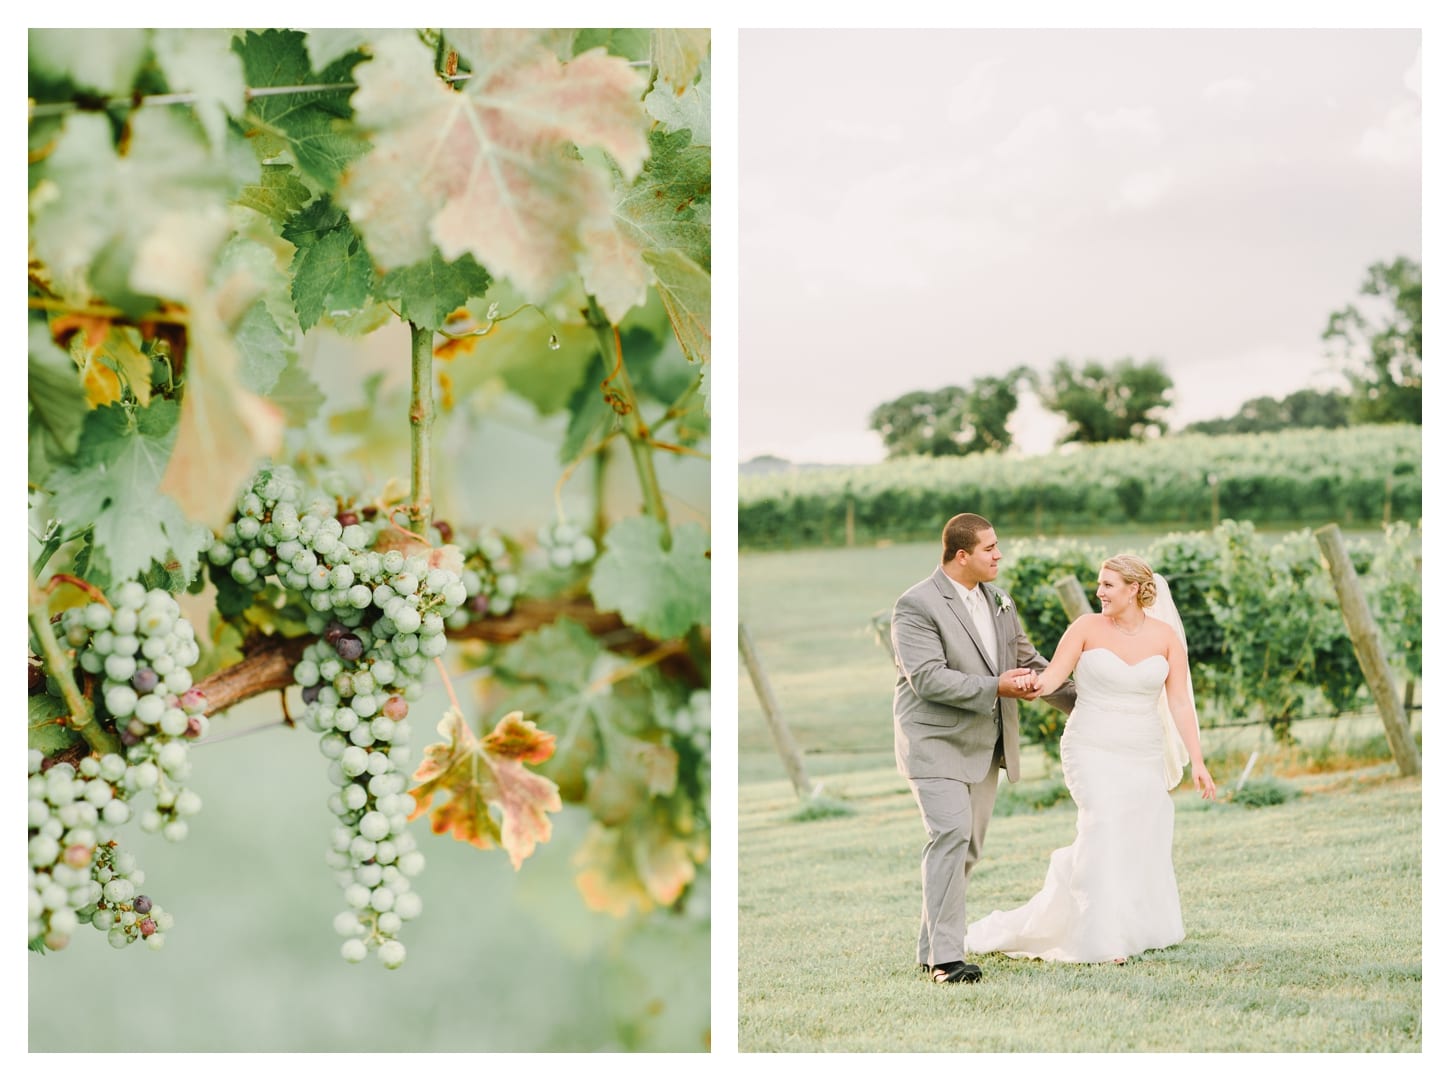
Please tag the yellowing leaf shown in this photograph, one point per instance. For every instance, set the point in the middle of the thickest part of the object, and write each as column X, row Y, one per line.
column 494, row 169
column 640, row 865
column 109, row 357
column 473, row 776
column 677, row 54
column 224, row 429
column 685, row 289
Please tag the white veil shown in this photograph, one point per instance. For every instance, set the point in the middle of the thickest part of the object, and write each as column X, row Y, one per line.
column 1175, row 752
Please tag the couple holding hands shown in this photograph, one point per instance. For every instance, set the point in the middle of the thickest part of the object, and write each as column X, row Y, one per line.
column 962, row 662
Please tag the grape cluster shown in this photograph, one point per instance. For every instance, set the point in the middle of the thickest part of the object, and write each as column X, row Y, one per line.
column 488, row 577
column 689, row 727
column 380, row 617
column 566, row 545
column 78, row 874
column 141, row 648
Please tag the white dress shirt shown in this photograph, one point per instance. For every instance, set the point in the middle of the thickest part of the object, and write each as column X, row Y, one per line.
column 980, row 609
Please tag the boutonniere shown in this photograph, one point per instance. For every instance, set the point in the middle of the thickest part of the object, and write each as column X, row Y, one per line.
column 1003, row 603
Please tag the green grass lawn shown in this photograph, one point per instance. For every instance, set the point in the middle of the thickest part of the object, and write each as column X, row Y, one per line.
column 1303, row 929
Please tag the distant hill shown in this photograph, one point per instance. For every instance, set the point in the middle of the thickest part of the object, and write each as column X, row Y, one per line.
column 766, row 464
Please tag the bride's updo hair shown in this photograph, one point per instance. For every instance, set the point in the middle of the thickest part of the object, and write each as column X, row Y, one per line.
column 1133, row 569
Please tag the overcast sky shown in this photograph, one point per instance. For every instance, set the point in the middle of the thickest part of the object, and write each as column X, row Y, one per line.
column 922, row 207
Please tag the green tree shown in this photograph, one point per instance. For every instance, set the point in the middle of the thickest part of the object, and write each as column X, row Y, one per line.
column 1303, row 409
column 952, row 420
column 1103, row 403
column 1383, row 348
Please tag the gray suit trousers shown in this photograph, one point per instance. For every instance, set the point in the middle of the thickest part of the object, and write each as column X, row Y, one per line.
column 956, row 815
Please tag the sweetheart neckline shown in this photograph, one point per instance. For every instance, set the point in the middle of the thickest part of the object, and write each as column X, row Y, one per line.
column 1130, row 664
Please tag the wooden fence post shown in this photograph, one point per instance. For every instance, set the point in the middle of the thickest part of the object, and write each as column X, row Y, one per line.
column 850, row 522
column 1074, row 597
column 1365, row 636
column 785, row 743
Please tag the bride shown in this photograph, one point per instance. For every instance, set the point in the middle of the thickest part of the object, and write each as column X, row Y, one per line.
column 1112, row 893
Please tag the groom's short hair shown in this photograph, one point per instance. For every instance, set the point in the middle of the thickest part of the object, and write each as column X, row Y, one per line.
column 961, row 533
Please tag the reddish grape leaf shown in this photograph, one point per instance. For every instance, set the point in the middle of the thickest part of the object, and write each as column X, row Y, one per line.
column 493, row 169
column 472, row 776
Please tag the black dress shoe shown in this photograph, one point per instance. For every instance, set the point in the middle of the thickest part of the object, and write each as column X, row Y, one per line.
column 955, row 972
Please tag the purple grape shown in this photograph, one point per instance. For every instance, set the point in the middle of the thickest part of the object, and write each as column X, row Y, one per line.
column 147, row 927
column 349, row 647
column 142, row 904
column 445, row 531
column 347, row 518
column 145, row 680
column 335, row 630
column 311, row 693
column 478, row 603
column 37, row 677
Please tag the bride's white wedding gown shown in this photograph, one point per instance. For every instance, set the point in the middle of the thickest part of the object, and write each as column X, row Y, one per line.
column 1112, row 892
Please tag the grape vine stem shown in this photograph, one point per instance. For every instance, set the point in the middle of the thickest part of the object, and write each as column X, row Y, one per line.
column 269, row 662
column 420, row 415
column 640, row 442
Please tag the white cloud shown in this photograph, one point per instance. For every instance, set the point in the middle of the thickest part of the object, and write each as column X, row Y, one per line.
column 1142, row 120
column 1230, row 90
column 1395, row 140
column 1412, row 75
column 972, row 98
column 1143, row 190
column 1031, row 131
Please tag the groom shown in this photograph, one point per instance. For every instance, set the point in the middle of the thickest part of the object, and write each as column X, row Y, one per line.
column 958, row 645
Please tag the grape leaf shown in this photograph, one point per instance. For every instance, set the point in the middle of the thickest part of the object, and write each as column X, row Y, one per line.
column 326, row 46
column 491, row 170
column 678, row 54
column 303, row 125
column 167, row 181
column 684, row 110
column 427, row 292
column 662, row 592
column 113, row 484
column 473, row 775
column 639, row 865
column 224, row 428
column 685, row 289
column 202, row 63
column 331, row 270
column 296, row 394
column 632, row 43
column 45, row 735
column 517, row 351
column 58, row 405
column 669, row 205
column 264, row 349
column 279, row 194
column 560, row 653
column 666, row 211
column 105, row 62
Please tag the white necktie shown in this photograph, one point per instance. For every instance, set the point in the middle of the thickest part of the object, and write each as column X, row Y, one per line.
column 983, row 619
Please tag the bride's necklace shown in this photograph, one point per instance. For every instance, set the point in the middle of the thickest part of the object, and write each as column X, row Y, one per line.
column 1139, row 630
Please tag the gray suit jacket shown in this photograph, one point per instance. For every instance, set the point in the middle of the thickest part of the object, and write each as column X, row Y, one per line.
column 946, row 708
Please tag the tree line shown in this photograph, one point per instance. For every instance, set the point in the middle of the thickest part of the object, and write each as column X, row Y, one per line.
column 1380, row 349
